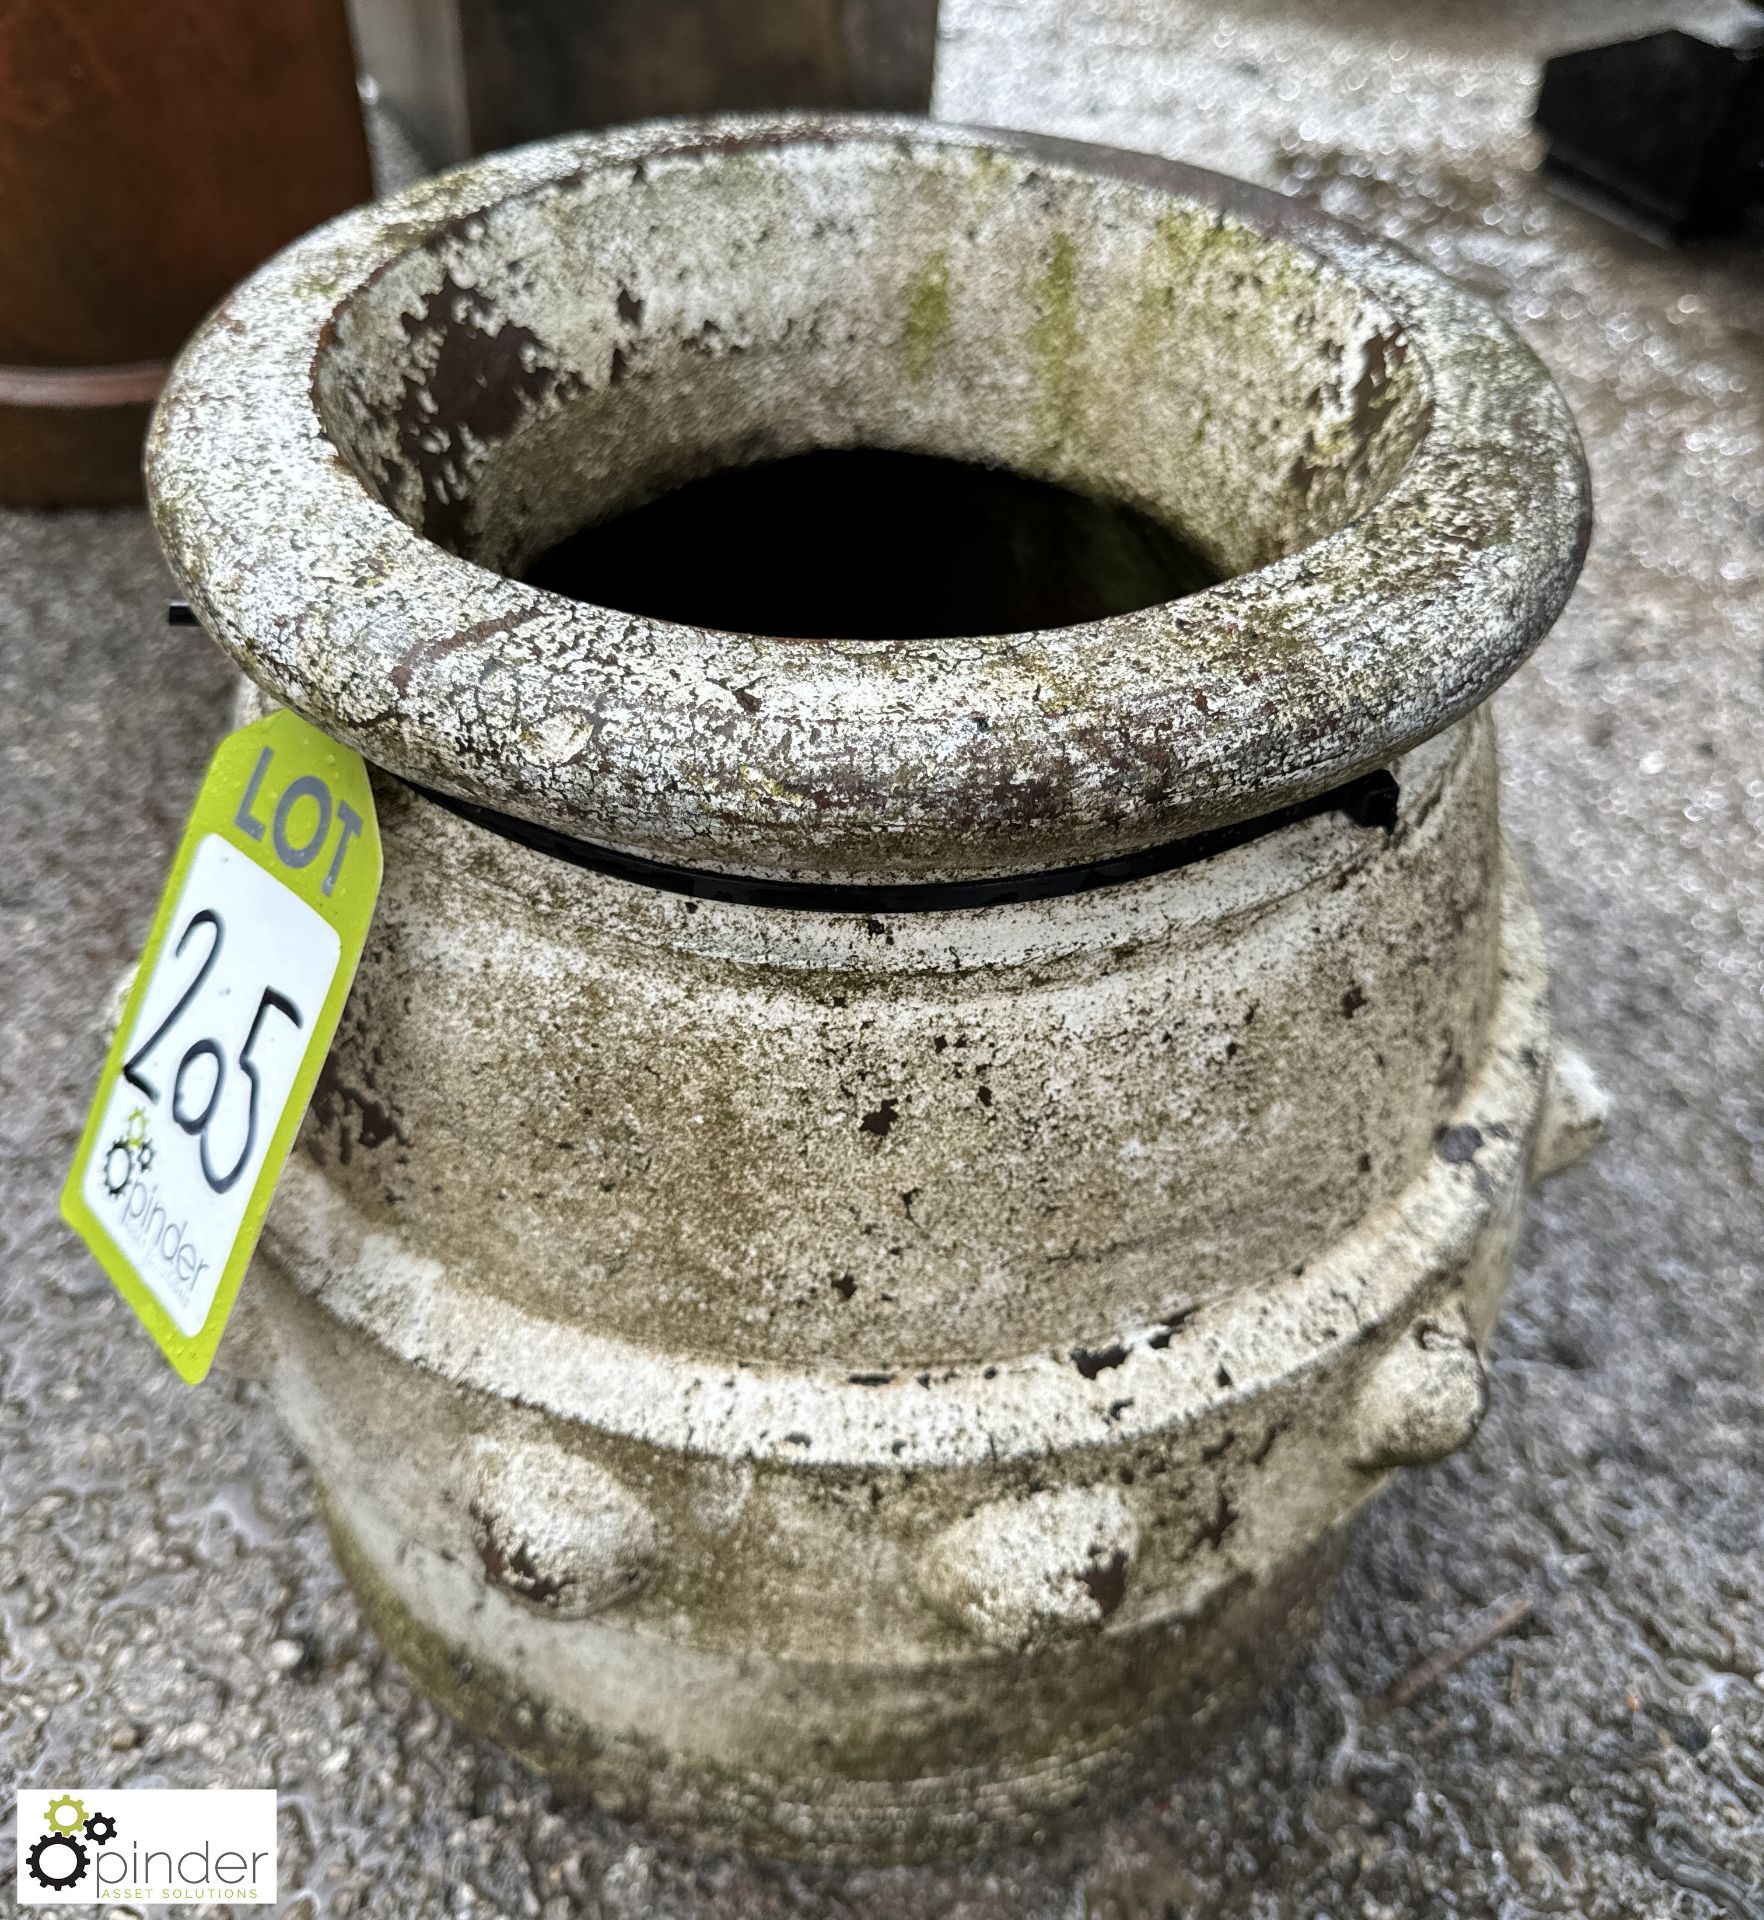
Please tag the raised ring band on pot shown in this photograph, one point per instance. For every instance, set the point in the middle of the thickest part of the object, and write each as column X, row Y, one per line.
column 403, row 409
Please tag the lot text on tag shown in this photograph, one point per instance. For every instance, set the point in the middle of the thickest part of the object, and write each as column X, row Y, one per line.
column 228, row 1022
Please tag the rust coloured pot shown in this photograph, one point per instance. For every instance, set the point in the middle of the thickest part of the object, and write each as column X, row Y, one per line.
column 149, row 156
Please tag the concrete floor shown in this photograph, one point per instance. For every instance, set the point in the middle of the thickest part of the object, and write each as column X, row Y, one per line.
column 169, row 1614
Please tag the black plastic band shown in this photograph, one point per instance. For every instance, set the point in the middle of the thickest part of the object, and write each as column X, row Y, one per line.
column 1369, row 802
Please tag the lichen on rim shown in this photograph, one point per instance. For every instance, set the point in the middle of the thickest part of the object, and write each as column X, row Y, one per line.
column 853, row 761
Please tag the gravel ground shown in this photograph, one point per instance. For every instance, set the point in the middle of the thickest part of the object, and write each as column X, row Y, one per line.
column 169, row 1614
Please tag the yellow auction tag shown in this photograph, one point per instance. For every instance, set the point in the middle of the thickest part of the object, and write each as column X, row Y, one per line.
column 231, row 1015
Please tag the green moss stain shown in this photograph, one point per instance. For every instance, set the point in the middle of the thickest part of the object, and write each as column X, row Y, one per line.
column 1174, row 256
column 1210, row 272
column 1054, row 346
column 1178, row 246
column 992, row 170
column 927, row 321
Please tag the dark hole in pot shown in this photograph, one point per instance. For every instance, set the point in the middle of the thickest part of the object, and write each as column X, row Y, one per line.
column 866, row 544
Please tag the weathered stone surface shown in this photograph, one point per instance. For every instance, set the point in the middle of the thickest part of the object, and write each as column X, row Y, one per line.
column 1048, row 1278
column 1577, row 1114
column 1038, row 1568
column 1193, row 1193
column 557, row 1531
column 456, row 379
column 1603, row 1758
column 1426, row 1395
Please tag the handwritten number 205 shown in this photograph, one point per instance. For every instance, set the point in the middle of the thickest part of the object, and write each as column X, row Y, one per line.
column 198, row 1123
